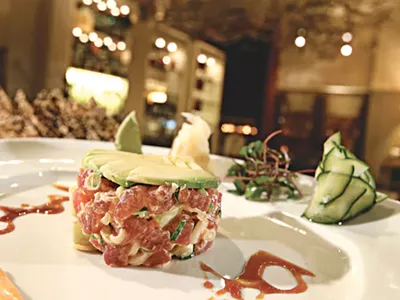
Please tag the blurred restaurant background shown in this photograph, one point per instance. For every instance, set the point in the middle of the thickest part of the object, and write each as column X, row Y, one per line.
column 75, row 68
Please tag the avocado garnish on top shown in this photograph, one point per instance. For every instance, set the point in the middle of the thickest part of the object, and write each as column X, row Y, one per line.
column 128, row 135
column 127, row 169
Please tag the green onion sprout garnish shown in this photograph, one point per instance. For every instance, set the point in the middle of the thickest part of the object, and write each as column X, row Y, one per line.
column 264, row 171
column 176, row 194
column 178, row 230
column 100, row 239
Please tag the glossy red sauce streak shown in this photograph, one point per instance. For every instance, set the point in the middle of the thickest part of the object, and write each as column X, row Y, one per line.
column 251, row 277
column 208, row 285
column 53, row 206
column 61, row 187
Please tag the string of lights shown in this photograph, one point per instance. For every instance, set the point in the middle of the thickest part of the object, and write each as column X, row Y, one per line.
column 239, row 129
column 110, row 5
column 94, row 37
column 98, row 41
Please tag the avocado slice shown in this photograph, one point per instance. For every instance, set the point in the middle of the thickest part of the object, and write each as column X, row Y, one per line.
column 81, row 241
column 127, row 169
column 128, row 135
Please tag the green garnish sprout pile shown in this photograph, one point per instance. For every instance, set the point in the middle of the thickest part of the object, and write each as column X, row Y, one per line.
column 264, row 172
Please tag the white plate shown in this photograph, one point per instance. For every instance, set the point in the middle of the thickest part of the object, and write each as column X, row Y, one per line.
column 358, row 261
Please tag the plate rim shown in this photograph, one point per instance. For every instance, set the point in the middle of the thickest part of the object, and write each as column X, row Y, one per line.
column 59, row 141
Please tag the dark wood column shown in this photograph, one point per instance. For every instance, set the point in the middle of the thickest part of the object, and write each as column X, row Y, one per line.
column 271, row 84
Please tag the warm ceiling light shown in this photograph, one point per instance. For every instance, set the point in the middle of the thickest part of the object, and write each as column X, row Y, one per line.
column 112, row 47
column 93, row 36
column 346, row 50
column 254, row 130
column 107, row 41
column 166, row 60
column 172, row 47
column 121, row 46
column 211, row 61
column 125, row 10
column 96, row 1
column 84, row 38
column 300, row 41
column 98, row 43
column 228, row 128
column 111, row 4
column 160, row 43
column 157, row 97
column 102, row 6
column 115, row 11
column 246, row 129
column 77, row 32
column 87, row 2
column 347, row 37
column 202, row 58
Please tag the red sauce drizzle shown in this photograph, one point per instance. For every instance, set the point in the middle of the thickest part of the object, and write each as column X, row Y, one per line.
column 251, row 276
column 53, row 206
column 61, row 187
column 208, row 285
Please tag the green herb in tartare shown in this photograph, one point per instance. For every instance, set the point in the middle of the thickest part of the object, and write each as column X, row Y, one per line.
column 178, row 230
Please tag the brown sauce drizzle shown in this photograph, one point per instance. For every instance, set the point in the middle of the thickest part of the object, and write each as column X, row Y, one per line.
column 53, row 206
column 60, row 187
column 251, row 276
column 208, row 285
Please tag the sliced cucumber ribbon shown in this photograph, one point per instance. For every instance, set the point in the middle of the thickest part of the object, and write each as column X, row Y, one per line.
column 345, row 186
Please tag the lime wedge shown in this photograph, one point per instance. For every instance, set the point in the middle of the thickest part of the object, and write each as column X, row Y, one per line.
column 128, row 135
